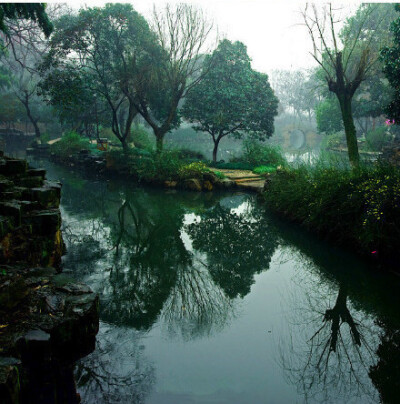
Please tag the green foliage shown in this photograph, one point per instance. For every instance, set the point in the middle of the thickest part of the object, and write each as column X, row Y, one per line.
column 334, row 140
column 187, row 154
column 264, row 170
column 377, row 138
column 70, row 143
column 256, row 154
column 193, row 170
column 391, row 67
column 329, row 116
column 357, row 206
column 111, row 47
column 30, row 11
column 141, row 139
column 232, row 165
column 11, row 110
column 44, row 137
column 232, row 99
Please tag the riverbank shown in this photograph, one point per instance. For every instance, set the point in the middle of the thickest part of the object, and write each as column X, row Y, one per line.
column 47, row 320
column 358, row 208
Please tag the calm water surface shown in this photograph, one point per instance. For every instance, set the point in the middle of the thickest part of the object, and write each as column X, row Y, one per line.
column 207, row 298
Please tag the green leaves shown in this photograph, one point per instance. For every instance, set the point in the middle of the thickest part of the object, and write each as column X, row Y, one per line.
column 232, row 99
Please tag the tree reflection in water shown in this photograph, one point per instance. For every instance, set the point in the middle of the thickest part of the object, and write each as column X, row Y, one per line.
column 150, row 265
column 237, row 245
column 103, row 379
column 335, row 340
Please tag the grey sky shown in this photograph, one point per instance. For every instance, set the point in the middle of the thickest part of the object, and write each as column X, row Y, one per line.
column 272, row 30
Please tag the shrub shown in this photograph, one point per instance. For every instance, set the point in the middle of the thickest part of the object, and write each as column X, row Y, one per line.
column 361, row 207
column 257, row 154
column 70, row 143
column 264, row 170
column 239, row 165
column 377, row 138
column 193, row 170
column 142, row 138
column 333, row 141
column 187, row 154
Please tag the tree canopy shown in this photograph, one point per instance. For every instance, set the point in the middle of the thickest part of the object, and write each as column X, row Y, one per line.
column 391, row 60
column 30, row 11
column 101, row 47
column 232, row 99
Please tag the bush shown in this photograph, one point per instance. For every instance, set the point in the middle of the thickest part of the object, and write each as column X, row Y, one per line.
column 359, row 207
column 193, row 170
column 239, row 165
column 264, row 170
column 142, row 138
column 256, row 154
column 377, row 138
column 187, row 154
column 70, row 143
column 334, row 141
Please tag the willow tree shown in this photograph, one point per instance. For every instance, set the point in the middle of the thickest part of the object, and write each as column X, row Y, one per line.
column 346, row 56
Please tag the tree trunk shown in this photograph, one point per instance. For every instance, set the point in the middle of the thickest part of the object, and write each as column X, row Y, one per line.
column 350, row 130
column 25, row 103
column 215, row 151
column 160, row 143
column 125, row 146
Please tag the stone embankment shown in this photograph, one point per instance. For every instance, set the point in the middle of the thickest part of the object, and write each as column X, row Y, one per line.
column 102, row 166
column 47, row 320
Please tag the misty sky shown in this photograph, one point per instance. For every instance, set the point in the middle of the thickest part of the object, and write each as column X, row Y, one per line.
column 272, row 30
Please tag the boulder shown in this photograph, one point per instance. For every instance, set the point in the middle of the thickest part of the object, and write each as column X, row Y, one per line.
column 207, row 185
column 225, row 183
column 192, row 184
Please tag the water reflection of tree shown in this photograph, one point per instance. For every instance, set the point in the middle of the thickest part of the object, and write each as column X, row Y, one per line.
column 237, row 245
column 330, row 351
column 117, row 371
column 332, row 323
column 385, row 374
column 196, row 306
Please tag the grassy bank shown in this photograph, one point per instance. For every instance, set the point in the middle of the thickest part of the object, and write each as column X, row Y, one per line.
column 360, row 208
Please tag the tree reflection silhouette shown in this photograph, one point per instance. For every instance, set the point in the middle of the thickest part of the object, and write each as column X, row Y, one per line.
column 333, row 349
column 237, row 245
column 103, row 378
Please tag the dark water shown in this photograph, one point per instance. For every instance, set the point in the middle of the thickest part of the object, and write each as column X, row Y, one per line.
column 207, row 298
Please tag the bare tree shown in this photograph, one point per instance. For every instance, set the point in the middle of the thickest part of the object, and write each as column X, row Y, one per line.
column 183, row 33
column 346, row 58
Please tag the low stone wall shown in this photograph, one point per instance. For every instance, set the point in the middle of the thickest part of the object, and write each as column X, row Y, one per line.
column 99, row 165
column 47, row 320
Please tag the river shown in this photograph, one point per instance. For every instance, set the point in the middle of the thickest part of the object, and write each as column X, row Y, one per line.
column 209, row 298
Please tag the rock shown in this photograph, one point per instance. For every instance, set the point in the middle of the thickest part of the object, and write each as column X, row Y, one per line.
column 192, row 184
column 211, row 177
column 10, row 386
column 207, row 186
column 35, row 345
column 12, row 167
column 12, row 208
column 43, row 222
column 5, row 226
column 47, row 197
column 225, row 183
column 170, row 184
column 37, row 172
column 30, row 182
column 5, row 185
